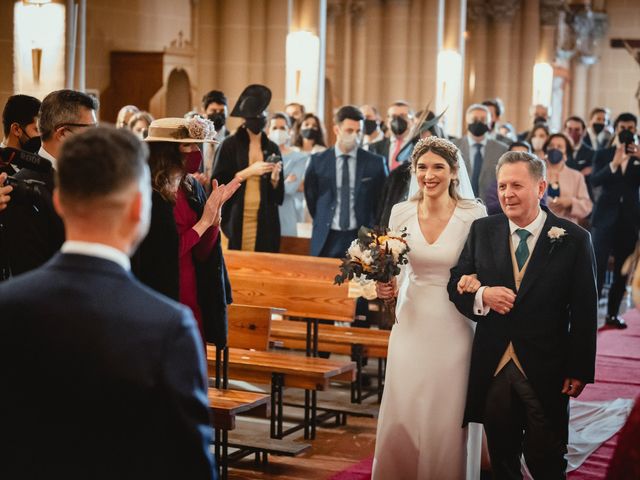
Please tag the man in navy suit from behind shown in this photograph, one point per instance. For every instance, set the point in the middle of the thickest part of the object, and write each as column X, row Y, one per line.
column 342, row 187
column 101, row 376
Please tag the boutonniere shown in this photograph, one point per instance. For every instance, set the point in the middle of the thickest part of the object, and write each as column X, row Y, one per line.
column 556, row 235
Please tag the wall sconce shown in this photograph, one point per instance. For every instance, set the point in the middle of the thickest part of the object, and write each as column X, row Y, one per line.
column 302, row 69
column 449, row 92
column 542, row 84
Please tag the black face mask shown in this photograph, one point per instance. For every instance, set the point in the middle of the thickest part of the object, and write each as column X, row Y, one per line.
column 539, row 120
column 309, row 133
column 256, row 125
column 478, row 129
column 218, row 120
column 598, row 127
column 32, row 145
column 370, row 126
column 399, row 125
column 626, row 136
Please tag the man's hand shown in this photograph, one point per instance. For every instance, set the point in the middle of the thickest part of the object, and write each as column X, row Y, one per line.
column 5, row 190
column 468, row 284
column 572, row 387
column 562, row 202
column 498, row 299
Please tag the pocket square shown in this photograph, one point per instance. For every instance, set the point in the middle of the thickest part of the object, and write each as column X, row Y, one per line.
column 636, row 162
column 366, row 179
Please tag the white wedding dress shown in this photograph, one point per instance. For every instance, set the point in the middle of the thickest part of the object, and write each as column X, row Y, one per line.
column 420, row 434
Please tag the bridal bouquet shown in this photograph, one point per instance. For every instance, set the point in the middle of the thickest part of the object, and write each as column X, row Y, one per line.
column 376, row 254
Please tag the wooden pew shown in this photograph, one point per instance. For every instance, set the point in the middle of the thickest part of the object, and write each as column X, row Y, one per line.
column 295, row 245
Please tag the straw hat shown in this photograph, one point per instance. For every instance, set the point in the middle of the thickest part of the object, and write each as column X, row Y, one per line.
column 180, row 130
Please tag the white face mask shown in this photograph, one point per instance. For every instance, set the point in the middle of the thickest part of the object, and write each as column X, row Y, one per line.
column 279, row 137
column 537, row 143
column 349, row 141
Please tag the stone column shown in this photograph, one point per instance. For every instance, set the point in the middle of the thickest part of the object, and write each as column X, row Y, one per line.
column 394, row 48
column 358, row 55
column 276, row 29
column 257, row 40
column 530, row 28
column 478, row 32
column 431, row 37
column 455, row 19
column 375, row 64
column 6, row 46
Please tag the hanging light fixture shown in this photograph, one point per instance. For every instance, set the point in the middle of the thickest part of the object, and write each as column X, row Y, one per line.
column 38, row 3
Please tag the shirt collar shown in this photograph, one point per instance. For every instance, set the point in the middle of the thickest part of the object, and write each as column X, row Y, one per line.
column 351, row 154
column 472, row 142
column 534, row 227
column 44, row 154
column 99, row 250
column 3, row 145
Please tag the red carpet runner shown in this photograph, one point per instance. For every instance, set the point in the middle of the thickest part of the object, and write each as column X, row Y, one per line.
column 617, row 367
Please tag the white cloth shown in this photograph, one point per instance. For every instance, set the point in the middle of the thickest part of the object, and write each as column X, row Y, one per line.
column 534, row 228
column 44, row 154
column 419, row 427
column 590, row 425
column 353, row 223
column 99, row 250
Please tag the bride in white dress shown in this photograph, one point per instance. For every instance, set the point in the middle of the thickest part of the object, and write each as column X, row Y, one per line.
column 420, row 434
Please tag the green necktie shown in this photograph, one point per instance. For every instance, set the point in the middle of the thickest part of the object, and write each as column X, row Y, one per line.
column 522, row 252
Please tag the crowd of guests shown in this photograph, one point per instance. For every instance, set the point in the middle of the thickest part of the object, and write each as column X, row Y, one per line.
column 252, row 186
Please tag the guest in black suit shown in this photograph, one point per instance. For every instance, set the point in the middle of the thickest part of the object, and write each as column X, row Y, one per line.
column 582, row 157
column 342, row 187
column 35, row 234
column 399, row 121
column 536, row 314
column 616, row 214
column 598, row 134
column 102, row 377
column 20, row 123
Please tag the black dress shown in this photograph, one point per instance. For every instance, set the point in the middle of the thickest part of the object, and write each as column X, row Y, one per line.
column 231, row 157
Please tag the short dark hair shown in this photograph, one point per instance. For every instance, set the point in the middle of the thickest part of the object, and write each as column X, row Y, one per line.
column 625, row 117
column 98, row 162
column 495, row 103
column 214, row 96
column 62, row 106
column 349, row 112
column 597, row 110
column 282, row 116
column 297, row 137
column 521, row 143
column 567, row 142
column 575, row 118
column 20, row 109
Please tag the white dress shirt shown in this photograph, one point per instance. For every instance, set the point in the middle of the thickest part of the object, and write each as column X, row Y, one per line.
column 335, row 224
column 534, row 228
column 44, row 154
column 98, row 250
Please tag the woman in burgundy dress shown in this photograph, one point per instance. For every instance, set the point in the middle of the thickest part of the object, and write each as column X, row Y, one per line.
column 181, row 256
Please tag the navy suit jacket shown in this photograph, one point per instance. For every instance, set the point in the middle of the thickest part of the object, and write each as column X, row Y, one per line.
column 619, row 197
column 320, row 191
column 101, row 377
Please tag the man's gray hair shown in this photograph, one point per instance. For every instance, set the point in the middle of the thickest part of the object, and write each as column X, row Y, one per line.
column 537, row 167
column 478, row 106
column 62, row 107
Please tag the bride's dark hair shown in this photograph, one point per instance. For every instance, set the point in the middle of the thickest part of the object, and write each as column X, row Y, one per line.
column 444, row 149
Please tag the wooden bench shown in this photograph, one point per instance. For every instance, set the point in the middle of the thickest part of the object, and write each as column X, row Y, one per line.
column 359, row 343
column 295, row 245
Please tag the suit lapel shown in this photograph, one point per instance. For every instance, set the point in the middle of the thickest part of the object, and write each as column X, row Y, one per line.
column 360, row 164
column 464, row 150
column 539, row 257
column 502, row 254
column 332, row 171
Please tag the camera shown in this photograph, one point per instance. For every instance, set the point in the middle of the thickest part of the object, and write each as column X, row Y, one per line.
column 29, row 190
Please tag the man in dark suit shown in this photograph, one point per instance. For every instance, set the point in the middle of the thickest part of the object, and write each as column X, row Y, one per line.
column 399, row 121
column 480, row 152
column 34, row 231
column 102, row 377
column 342, row 187
column 598, row 134
column 535, row 304
column 616, row 213
column 582, row 157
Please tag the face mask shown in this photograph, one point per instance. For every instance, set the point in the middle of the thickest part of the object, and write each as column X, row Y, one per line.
column 554, row 156
column 309, row 133
column 349, row 141
column 539, row 120
column 370, row 126
column 575, row 137
column 399, row 125
column 478, row 129
column 626, row 136
column 192, row 161
column 255, row 125
column 279, row 137
column 537, row 143
column 218, row 120
column 32, row 145
column 598, row 127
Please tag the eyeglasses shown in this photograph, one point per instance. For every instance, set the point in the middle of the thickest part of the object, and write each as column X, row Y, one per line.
column 79, row 125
